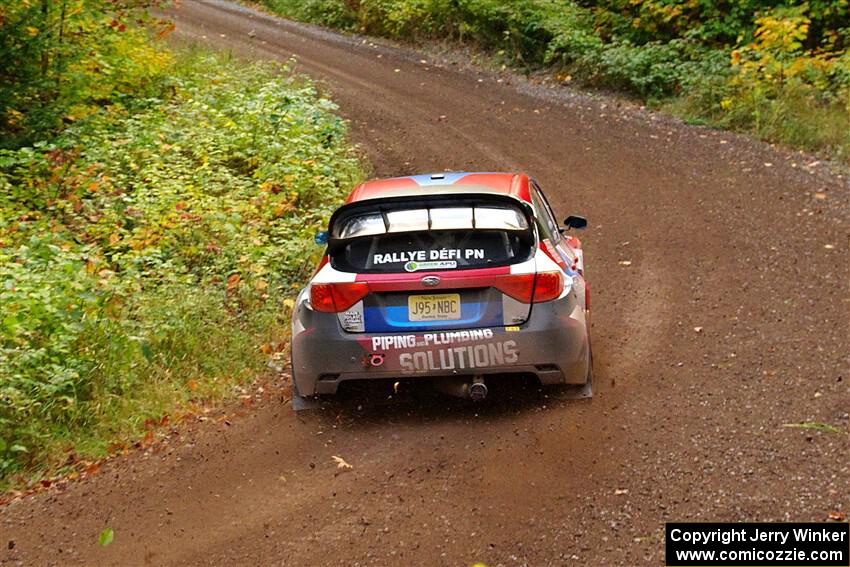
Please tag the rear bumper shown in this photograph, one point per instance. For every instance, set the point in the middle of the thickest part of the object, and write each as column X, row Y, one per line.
column 552, row 344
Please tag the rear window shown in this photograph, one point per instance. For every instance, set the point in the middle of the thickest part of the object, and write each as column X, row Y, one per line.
column 446, row 238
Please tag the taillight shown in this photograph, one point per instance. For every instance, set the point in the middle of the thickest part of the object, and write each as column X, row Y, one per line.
column 520, row 287
column 548, row 286
column 336, row 297
column 524, row 288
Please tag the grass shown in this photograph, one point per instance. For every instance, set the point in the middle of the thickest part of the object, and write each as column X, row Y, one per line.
column 815, row 426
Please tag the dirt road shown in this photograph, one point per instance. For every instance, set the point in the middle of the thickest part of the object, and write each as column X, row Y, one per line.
column 731, row 320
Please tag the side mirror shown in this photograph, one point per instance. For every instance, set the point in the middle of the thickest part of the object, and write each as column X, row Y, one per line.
column 322, row 237
column 575, row 221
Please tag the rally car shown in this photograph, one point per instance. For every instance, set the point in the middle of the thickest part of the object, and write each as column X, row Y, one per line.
column 452, row 277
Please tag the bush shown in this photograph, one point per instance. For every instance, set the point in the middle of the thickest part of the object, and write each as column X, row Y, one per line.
column 778, row 69
column 151, row 248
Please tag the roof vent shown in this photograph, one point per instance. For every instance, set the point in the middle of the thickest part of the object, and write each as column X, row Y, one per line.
column 438, row 176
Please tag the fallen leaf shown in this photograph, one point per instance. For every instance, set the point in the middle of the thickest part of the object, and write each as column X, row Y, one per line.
column 836, row 516
column 92, row 469
column 341, row 464
column 621, row 491
column 106, row 537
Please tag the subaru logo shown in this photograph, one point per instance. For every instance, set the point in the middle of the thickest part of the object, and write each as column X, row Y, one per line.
column 430, row 281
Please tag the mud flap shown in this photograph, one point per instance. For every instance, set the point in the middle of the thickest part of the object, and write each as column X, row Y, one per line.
column 576, row 392
column 580, row 392
column 301, row 403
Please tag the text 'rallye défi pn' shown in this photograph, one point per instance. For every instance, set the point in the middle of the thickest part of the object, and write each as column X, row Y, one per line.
column 452, row 277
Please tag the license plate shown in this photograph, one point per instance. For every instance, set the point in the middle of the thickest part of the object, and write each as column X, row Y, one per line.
column 441, row 307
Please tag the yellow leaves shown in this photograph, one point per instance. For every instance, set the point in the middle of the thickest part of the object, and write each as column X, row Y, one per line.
column 782, row 30
column 280, row 209
column 13, row 116
column 777, row 54
column 32, row 31
column 144, row 239
column 735, row 57
column 726, row 103
column 270, row 187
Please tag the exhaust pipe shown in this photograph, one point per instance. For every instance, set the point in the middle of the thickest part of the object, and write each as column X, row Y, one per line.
column 478, row 389
column 475, row 390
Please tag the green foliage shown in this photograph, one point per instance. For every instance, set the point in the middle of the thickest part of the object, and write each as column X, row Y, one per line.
column 62, row 59
column 148, row 250
column 778, row 68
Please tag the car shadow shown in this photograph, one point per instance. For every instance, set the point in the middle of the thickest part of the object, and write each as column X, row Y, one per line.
column 377, row 402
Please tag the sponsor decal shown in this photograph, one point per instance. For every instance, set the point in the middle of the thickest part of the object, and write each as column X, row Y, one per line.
column 461, row 357
column 391, row 342
column 419, row 256
column 448, row 350
column 440, row 265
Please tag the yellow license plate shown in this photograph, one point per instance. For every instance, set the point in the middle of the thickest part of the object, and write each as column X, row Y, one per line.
column 440, row 307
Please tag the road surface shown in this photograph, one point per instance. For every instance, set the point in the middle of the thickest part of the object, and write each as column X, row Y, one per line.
column 719, row 269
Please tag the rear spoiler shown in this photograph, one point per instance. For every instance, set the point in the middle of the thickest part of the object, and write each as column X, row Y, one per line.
column 429, row 202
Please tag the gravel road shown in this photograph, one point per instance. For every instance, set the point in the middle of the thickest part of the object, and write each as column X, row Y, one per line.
column 721, row 311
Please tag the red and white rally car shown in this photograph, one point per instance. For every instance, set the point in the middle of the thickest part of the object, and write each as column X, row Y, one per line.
column 452, row 277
